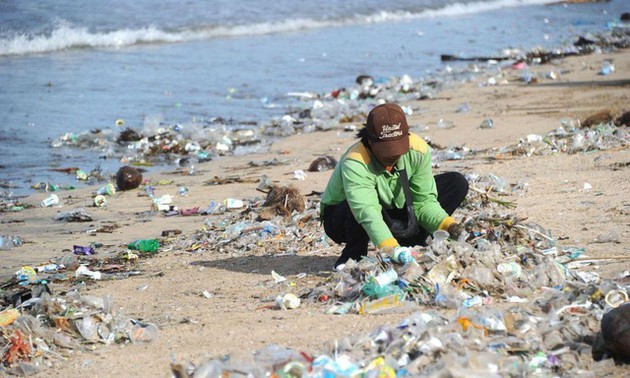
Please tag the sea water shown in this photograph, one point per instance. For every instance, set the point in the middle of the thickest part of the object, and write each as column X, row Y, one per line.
column 68, row 66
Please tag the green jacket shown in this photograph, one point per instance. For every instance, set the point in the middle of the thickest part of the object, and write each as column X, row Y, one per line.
column 368, row 187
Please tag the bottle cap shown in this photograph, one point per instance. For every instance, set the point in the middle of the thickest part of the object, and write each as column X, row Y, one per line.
column 100, row 201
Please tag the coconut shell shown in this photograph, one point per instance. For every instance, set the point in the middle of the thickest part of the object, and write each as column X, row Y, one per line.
column 623, row 119
column 128, row 178
column 282, row 201
column 322, row 164
column 604, row 116
column 614, row 338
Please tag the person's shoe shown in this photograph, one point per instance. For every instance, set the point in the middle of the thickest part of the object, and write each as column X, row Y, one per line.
column 341, row 262
column 339, row 267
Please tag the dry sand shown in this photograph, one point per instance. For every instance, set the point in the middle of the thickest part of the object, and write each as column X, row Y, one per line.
column 193, row 327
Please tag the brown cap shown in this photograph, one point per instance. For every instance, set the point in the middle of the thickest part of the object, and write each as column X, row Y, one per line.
column 388, row 130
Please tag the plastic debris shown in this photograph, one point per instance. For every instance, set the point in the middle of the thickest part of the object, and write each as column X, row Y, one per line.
column 77, row 215
column 51, row 200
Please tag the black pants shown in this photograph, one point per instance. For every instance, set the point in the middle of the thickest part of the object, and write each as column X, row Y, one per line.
column 340, row 225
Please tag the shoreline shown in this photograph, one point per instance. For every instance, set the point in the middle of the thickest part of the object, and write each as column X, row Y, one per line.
column 556, row 197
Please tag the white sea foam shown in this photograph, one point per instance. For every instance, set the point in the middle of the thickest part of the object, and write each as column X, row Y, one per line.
column 65, row 37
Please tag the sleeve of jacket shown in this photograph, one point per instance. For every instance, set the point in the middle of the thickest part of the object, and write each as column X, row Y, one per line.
column 429, row 212
column 360, row 189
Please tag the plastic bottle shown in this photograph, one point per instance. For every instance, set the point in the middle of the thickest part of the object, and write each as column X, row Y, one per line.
column 48, row 268
column 447, row 297
column 8, row 242
column 402, row 255
column 381, row 285
column 511, row 269
column 108, row 189
column 144, row 245
column 386, row 278
column 51, row 200
column 473, row 301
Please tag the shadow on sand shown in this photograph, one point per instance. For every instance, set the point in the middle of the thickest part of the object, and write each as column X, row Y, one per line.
column 284, row 265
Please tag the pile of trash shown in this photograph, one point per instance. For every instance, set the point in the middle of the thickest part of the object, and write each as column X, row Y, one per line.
column 285, row 222
column 570, row 137
column 505, row 299
column 39, row 328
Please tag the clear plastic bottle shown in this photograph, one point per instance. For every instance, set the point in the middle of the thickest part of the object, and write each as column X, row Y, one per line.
column 7, row 242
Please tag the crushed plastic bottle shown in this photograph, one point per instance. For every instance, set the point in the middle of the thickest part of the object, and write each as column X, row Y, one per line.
column 144, row 245
column 7, row 242
column 486, row 124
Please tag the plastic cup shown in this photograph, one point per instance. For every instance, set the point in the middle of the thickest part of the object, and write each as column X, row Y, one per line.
column 108, row 189
column 52, row 200
column 233, row 203
column 616, row 298
column 386, row 278
column 81, row 175
column 144, row 333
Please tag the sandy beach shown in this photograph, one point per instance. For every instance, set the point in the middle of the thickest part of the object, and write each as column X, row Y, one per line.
column 208, row 303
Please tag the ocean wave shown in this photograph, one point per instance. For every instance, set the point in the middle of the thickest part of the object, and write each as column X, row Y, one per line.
column 65, row 37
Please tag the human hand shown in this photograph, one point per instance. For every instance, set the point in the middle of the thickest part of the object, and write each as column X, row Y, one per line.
column 455, row 230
